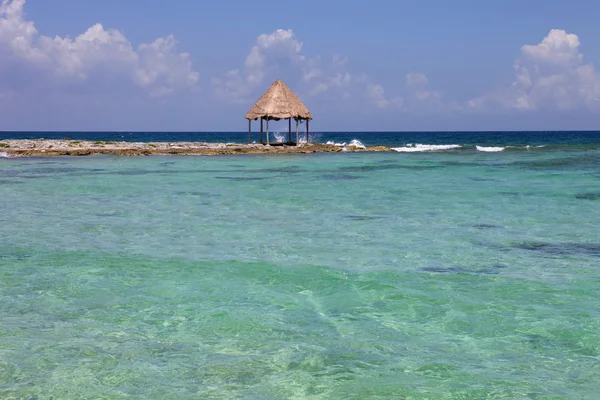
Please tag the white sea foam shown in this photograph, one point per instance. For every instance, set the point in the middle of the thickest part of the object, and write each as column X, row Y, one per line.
column 4, row 154
column 357, row 143
column 411, row 148
column 281, row 137
column 489, row 149
column 353, row 143
column 312, row 136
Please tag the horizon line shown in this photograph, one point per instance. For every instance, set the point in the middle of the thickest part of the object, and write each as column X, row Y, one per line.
column 315, row 131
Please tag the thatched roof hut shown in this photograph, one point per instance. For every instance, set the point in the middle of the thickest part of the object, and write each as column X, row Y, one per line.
column 278, row 102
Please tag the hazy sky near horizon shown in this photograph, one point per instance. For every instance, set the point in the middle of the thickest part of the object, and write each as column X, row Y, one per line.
column 379, row 65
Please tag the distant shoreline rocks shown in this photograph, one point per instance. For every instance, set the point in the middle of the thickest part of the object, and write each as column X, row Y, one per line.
column 67, row 147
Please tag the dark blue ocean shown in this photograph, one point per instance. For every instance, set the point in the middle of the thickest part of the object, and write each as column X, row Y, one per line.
column 549, row 139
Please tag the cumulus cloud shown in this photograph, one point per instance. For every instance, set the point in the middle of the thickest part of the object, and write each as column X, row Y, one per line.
column 99, row 59
column 280, row 46
column 558, row 47
column 278, row 55
column 549, row 75
column 271, row 55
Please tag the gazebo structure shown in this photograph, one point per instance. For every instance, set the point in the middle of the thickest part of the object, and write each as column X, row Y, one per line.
column 278, row 102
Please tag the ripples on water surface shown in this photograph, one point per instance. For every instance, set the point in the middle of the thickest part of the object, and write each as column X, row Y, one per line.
column 432, row 275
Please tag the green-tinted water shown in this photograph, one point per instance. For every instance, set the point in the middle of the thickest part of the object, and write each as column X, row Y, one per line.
column 421, row 276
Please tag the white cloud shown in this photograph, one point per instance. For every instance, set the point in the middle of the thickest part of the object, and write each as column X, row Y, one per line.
column 423, row 95
column 417, row 96
column 549, row 75
column 271, row 55
column 280, row 46
column 416, row 79
column 339, row 80
column 376, row 94
column 421, row 98
column 279, row 55
column 336, row 76
column 99, row 59
column 558, row 47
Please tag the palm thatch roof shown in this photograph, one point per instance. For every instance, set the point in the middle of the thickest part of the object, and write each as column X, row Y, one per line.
column 278, row 102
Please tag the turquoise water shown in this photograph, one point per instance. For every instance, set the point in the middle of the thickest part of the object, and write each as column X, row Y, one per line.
column 437, row 275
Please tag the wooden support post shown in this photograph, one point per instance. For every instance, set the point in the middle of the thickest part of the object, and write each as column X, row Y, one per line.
column 268, row 144
column 307, row 131
column 297, row 137
column 261, row 130
column 289, row 129
column 249, row 130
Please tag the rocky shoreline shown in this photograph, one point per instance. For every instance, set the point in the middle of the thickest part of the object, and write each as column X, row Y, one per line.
column 67, row 147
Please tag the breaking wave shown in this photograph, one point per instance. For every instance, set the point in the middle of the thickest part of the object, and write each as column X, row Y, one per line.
column 353, row 143
column 314, row 137
column 490, row 149
column 282, row 137
column 411, row 148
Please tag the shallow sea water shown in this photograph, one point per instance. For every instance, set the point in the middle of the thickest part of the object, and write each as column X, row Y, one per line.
column 382, row 275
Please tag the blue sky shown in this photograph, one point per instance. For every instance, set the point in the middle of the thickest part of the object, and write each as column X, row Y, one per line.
column 378, row 65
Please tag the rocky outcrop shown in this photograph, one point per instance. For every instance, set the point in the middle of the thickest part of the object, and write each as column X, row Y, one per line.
column 46, row 147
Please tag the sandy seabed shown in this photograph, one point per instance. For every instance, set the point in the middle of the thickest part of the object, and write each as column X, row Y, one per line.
column 47, row 147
